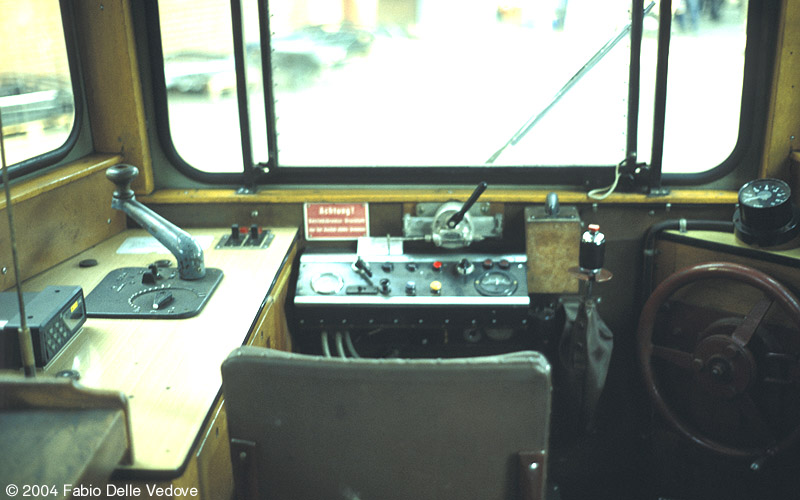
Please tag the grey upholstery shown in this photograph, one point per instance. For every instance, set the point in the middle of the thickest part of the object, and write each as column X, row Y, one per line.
column 307, row 427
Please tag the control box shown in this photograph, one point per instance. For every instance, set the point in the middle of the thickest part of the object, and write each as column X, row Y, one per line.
column 468, row 297
column 54, row 316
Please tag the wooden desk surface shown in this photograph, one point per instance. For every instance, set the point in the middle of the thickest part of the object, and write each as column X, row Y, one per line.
column 169, row 369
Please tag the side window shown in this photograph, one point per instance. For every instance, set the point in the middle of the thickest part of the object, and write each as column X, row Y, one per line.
column 37, row 103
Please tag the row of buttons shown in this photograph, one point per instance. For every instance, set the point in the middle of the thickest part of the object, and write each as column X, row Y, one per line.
column 437, row 265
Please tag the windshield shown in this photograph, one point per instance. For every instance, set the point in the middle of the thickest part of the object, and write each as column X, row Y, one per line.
column 443, row 83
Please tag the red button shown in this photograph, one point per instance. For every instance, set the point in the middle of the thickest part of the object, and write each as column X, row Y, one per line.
column 437, row 265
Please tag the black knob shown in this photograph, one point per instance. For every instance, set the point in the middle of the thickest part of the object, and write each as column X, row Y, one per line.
column 254, row 231
column 235, row 232
column 465, row 267
column 384, row 286
column 122, row 175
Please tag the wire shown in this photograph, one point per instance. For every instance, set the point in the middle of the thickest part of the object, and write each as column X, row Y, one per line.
column 348, row 342
column 325, row 349
column 339, row 346
column 595, row 193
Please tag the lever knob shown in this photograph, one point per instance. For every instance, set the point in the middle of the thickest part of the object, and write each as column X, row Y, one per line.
column 122, row 175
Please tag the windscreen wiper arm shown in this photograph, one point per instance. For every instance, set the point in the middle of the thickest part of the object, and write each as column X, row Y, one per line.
column 572, row 81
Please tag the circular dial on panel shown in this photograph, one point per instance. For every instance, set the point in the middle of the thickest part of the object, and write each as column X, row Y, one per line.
column 327, row 283
column 765, row 215
column 496, row 283
column 160, row 298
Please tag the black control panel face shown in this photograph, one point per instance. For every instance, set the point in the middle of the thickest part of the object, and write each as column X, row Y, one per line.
column 412, row 298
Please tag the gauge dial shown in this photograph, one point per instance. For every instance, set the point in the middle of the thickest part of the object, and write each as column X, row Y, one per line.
column 764, row 193
column 765, row 215
column 327, row 283
column 496, row 283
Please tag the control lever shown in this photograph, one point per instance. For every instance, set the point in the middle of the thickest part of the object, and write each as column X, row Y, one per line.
column 459, row 216
column 551, row 206
column 362, row 267
column 186, row 250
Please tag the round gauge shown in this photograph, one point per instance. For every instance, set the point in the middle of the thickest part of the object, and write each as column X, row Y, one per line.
column 327, row 283
column 495, row 283
column 765, row 215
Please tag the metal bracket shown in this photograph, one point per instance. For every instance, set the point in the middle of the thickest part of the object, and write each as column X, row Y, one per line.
column 245, row 468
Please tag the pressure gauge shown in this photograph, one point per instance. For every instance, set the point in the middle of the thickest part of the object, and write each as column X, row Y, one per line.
column 496, row 283
column 765, row 215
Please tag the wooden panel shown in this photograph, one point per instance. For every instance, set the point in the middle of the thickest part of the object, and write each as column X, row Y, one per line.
column 169, row 369
column 214, row 469
column 724, row 295
column 783, row 131
column 272, row 329
column 110, row 70
column 552, row 246
column 57, row 217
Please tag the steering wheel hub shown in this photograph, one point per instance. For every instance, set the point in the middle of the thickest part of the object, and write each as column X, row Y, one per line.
column 727, row 369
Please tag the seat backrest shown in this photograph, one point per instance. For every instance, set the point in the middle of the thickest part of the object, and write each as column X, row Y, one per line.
column 307, row 427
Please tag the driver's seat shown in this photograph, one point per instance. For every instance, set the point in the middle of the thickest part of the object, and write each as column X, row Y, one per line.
column 307, row 427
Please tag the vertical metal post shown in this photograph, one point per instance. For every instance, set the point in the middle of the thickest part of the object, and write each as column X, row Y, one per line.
column 660, row 111
column 266, row 78
column 241, row 95
column 637, row 21
column 24, row 333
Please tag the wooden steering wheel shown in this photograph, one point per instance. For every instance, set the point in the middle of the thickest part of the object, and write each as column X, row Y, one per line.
column 721, row 364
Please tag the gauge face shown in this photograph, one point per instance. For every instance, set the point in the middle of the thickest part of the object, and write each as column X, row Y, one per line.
column 327, row 283
column 764, row 193
column 766, row 216
column 496, row 283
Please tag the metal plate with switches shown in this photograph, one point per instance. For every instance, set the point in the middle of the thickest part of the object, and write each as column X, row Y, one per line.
column 245, row 238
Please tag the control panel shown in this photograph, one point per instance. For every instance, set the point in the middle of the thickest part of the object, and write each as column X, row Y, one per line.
column 471, row 298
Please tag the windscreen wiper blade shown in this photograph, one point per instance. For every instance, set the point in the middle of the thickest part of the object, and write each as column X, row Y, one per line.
column 572, row 81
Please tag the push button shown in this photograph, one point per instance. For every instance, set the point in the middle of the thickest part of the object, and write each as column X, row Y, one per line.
column 436, row 287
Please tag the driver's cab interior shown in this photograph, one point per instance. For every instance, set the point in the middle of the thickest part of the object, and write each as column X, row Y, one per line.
column 400, row 249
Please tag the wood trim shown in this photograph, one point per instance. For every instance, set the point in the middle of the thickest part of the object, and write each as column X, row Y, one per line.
column 61, row 176
column 113, row 87
column 395, row 195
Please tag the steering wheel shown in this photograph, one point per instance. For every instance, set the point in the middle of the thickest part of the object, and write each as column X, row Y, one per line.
column 720, row 364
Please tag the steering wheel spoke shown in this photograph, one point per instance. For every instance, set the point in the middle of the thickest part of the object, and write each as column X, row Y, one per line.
column 744, row 332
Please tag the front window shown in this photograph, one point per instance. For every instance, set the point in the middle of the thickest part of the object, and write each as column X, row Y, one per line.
column 443, row 84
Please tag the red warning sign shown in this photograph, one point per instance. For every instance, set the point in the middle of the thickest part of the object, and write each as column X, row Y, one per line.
column 336, row 221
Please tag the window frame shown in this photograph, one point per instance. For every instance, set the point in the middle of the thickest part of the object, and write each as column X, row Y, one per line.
column 50, row 158
column 635, row 177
